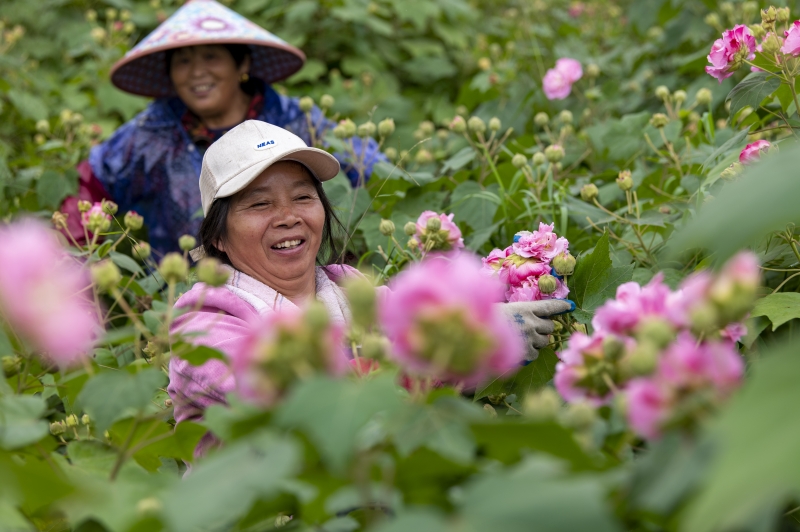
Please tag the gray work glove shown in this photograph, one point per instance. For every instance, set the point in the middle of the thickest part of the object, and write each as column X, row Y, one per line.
column 532, row 319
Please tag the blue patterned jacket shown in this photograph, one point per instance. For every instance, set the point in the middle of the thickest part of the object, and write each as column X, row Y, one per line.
column 151, row 166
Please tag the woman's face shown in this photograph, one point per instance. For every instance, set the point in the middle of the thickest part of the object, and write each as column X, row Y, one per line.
column 206, row 78
column 274, row 227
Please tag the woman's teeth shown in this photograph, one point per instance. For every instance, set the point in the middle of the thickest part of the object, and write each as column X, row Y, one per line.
column 288, row 244
column 201, row 88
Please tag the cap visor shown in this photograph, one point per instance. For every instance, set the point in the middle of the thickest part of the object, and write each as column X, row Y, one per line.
column 320, row 163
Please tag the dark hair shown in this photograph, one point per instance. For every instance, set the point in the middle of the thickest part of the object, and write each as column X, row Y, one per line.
column 215, row 228
column 238, row 52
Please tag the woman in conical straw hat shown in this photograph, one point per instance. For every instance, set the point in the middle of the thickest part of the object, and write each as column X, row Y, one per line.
column 209, row 69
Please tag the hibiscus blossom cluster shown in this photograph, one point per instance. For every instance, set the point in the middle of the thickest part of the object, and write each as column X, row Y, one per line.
column 534, row 267
column 557, row 82
column 672, row 354
column 434, row 232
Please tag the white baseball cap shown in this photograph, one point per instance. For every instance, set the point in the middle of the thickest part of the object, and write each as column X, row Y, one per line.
column 244, row 152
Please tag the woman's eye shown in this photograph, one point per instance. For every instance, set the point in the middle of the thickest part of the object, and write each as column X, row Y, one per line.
column 304, row 197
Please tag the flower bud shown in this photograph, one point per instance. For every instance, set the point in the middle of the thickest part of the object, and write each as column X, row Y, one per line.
column 783, row 14
column 98, row 34
column 547, row 284
column 306, row 104
column 57, row 428
column 39, row 139
column 554, row 153
column 565, row 117
column 386, row 227
column 148, row 506
column 326, row 101
column 141, row 250
column 539, row 158
column 542, row 405
column 345, row 129
column 592, row 70
column 541, row 119
column 105, row 275
column 85, row 420
column 361, row 296
column 771, row 44
column 374, row 347
column 390, row 153
column 412, row 243
column 579, row 416
column 43, row 126
column 427, row 127
column 757, row 30
column 589, row 192
column 769, row 16
column 173, row 268
column 72, row 420
column 367, row 129
column 109, row 207
column 476, row 125
column 659, row 120
column 679, row 96
column 111, row 13
column 458, row 125
column 732, row 171
column 655, row 331
column 386, row 127
column 433, row 224
column 133, row 221
column 655, row 33
column 410, row 228
column 490, row 410
column 11, row 365
column 84, row 206
column 703, row 96
column 624, row 180
column 495, row 124
column 484, row 63
column 519, row 160
column 423, row 156
column 59, row 220
column 564, row 263
column 211, row 272
column 316, row 316
column 662, row 92
column 187, row 242
column 91, row 15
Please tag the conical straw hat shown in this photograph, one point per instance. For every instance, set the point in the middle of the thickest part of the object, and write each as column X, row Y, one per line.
column 143, row 70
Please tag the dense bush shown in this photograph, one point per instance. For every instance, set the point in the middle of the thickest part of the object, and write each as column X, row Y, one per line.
column 652, row 409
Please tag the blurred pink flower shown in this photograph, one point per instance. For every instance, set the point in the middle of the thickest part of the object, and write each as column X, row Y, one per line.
column 633, row 304
column 454, row 233
column 792, row 43
column 542, row 244
column 444, row 301
column 753, row 151
column 648, row 406
column 571, row 68
column 44, row 293
column 528, row 290
column 557, row 82
column 734, row 332
column 576, row 9
column 572, row 379
column 96, row 212
column 728, row 52
column 267, row 362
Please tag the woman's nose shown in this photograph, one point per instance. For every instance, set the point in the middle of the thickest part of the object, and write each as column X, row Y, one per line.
column 286, row 217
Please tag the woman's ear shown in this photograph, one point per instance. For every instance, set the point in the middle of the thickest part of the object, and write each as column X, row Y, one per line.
column 244, row 68
column 220, row 245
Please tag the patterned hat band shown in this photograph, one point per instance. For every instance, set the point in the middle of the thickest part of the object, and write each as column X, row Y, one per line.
column 143, row 70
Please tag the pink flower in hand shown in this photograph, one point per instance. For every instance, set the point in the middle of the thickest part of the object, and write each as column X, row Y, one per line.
column 753, row 151
column 557, row 82
column 494, row 261
column 729, row 52
column 792, row 43
column 515, row 269
column 542, row 244
column 442, row 321
column 43, row 293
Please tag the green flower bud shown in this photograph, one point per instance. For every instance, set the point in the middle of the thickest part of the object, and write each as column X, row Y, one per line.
column 769, row 16
column 484, row 63
column 306, row 104
column 326, row 101
column 361, row 295
column 624, row 180
column 662, row 92
column 554, row 153
column 390, row 153
column 490, row 410
column 433, row 224
column 57, row 427
column 91, row 15
column 772, row 44
column 659, row 120
column 423, row 156
column 458, row 125
column 495, row 124
column 105, row 275
column 39, row 139
column 703, row 96
column 783, row 14
column 412, row 243
column 11, row 365
column 539, row 158
column 732, row 171
column 589, row 192
column 345, row 129
column 386, row 127
column 211, row 272
column 655, row 33
column 541, row 119
column 187, row 242
column 72, row 420
column 109, row 207
column 386, row 227
column 642, row 361
column 564, row 264
column 613, row 348
column 85, row 420
column 84, row 206
column 749, row 8
column 655, row 331
column 547, row 284
column 579, row 416
column 592, row 70
column 519, row 160
column 757, row 30
column 543, row 405
column 316, row 316
column 427, row 128
column 679, row 96
column 141, row 250
column 410, row 228
column 565, row 117
column 374, row 347
column 148, row 506
column 712, row 19
column 476, row 125
column 173, row 268
column 43, row 126
column 367, row 129
column 133, row 221
column 111, row 13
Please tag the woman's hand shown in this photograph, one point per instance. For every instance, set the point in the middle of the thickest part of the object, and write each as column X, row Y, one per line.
column 532, row 318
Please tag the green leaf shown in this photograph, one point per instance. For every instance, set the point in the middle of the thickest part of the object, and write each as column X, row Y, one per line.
column 223, row 486
column 752, row 90
column 459, row 160
column 20, row 422
column 756, row 440
column 333, row 412
column 52, row 187
column 125, row 262
column 474, row 205
column 527, row 379
column 27, row 104
column 197, row 355
column 418, row 519
column 605, row 290
column 779, row 307
column 113, row 395
column 729, row 144
column 591, row 273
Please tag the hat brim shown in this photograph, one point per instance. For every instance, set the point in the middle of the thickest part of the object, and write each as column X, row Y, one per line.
column 147, row 74
column 322, row 165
